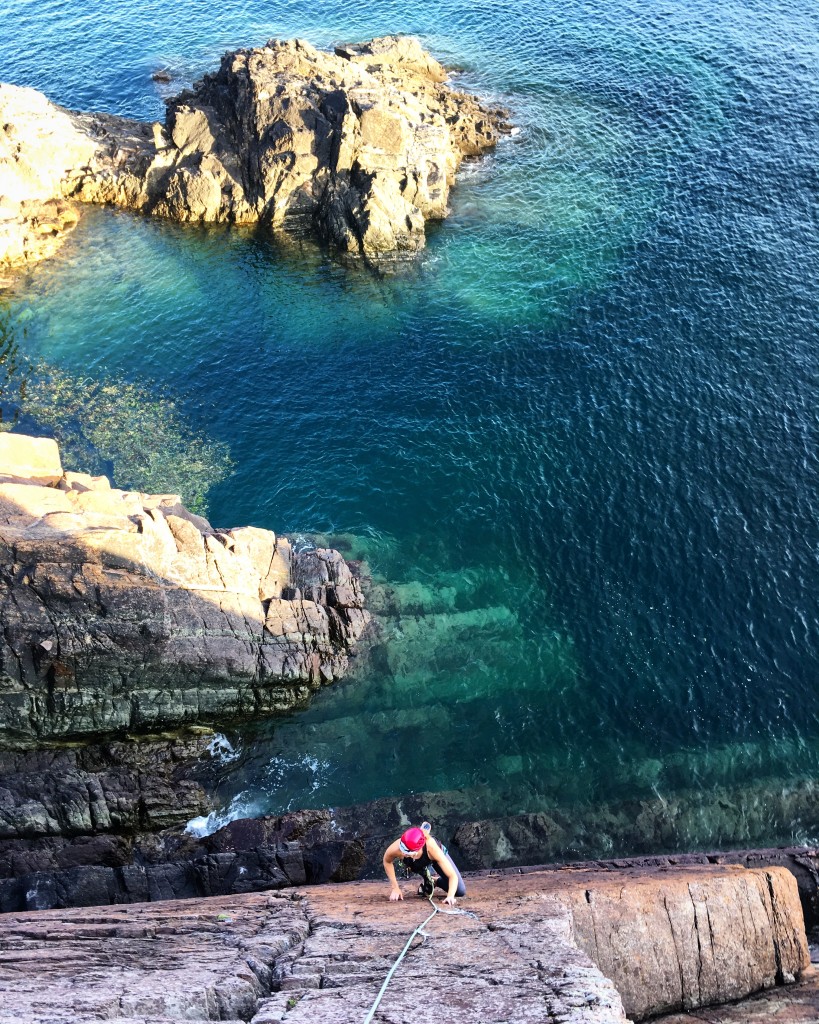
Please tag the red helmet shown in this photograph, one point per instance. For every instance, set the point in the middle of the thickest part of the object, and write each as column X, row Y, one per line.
column 413, row 839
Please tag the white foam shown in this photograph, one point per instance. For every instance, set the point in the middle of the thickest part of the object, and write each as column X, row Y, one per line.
column 221, row 749
column 241, row 806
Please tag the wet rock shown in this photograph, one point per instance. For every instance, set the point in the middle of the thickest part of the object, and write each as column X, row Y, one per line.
column 248, row 855
column 117, row 788
column 325, row 851
column 360, row 146
column 77, row 821
column 124, row 612
column 677, row 820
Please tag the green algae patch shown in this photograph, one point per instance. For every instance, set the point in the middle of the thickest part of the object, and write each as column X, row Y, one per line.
column 123, row 430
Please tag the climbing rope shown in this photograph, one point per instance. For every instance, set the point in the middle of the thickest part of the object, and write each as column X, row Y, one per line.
column 392, row 970
column 418, row 931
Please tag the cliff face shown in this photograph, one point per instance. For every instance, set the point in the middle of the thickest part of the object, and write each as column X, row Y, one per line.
column 125, row 612
column 569, row 947
column 360, row 147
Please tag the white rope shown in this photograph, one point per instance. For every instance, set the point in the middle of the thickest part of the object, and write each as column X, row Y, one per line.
column 418, row 930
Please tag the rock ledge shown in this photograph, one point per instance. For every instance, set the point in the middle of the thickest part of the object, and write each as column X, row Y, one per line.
column 123, row 612
column 580, row 947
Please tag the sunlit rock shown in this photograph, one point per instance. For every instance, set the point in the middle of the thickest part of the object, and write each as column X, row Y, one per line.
column 359, row 147
column 40, row 149
column 594, row 945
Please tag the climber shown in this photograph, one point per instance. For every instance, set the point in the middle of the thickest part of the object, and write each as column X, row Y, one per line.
column 418, row 852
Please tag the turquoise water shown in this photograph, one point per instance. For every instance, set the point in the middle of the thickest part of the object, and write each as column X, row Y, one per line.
column 576, row 441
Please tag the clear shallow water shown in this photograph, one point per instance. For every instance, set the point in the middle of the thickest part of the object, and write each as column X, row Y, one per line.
column 578, row 438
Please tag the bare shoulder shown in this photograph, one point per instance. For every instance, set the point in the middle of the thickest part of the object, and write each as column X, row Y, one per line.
column 434, row 847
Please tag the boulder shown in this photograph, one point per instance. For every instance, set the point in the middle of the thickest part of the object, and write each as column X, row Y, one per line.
column 34, row 460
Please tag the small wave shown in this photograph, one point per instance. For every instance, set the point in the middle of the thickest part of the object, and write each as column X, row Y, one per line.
column 222, row 750
column 241, row 806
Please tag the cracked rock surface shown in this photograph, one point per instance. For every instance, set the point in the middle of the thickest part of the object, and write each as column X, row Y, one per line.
column 570, row 947
column 123, row 612
column 359, row 147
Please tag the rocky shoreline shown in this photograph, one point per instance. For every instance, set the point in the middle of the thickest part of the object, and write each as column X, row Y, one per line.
column 130, row 628
column 126, row 625
column 358, row 147
column 124, row 614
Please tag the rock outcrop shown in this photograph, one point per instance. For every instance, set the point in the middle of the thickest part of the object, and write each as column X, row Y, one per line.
column 700, row 936
column 40, row 149
column 72, row 817
column 138, row 865
column 568, row 947
column 123, row 612
column 360, row 147
column 94, row 791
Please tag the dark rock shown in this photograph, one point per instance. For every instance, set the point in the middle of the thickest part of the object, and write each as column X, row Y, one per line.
column 96, row 793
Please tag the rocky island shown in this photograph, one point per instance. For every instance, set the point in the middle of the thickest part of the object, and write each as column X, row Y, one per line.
column 359, row 147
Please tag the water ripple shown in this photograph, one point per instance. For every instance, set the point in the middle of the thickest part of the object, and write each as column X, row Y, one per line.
column 576, row 442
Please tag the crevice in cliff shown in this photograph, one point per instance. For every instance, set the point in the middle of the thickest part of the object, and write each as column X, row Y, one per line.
column 699, row 946
column 772, row 915
column 676, row 951
column 714, row 965
column 8, row 635
column 595, row 937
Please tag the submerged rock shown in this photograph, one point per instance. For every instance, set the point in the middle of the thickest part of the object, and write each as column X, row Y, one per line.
column 125, row 612
column 360, row 146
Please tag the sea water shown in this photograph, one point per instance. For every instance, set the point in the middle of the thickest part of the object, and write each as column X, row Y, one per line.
column 574, row 443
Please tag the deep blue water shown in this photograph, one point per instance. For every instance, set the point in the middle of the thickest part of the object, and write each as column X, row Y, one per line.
column 579, row 434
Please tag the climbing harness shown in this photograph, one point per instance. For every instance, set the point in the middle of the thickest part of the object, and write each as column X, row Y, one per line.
column 427, row 886
column 418, row 931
